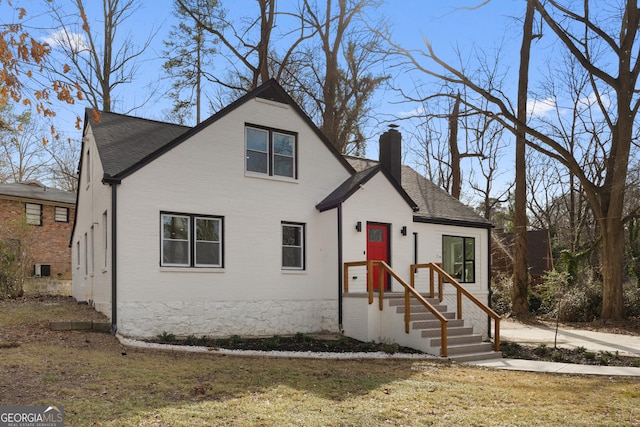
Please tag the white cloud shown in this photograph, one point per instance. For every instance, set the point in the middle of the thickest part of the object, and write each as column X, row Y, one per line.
column 420, row 111
column 539, row 107
column 75, row 42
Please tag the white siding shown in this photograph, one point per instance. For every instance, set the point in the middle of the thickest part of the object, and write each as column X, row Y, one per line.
column 205, row 175
column 94, row 198
column 377, row 201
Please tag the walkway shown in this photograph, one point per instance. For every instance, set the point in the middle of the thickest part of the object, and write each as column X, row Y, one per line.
column 536, row 334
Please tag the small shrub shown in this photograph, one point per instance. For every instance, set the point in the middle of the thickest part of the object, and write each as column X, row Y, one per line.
column 273, row 342
column 501, row 294
column 390, row 347
column 237, row 339
column 510, row 349
column 193, row 340
column 557, row 356
column 302, row 338
column 589, row 355
column 631, row 295
column 166, row 337
column 541, row 351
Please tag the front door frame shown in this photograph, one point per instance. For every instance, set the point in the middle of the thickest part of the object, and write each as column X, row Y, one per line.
column 387, row 240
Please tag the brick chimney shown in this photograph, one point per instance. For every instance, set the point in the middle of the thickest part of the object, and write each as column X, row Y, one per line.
column 391, row 152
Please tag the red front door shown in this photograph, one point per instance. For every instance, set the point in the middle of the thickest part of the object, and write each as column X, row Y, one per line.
column 378, row 249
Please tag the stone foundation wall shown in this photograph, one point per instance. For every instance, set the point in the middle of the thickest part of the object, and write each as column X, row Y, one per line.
column 226, row 318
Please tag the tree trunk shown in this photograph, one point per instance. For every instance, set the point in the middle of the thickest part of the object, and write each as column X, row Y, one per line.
column 520, row 288
column 456, row 179
column 612, row 268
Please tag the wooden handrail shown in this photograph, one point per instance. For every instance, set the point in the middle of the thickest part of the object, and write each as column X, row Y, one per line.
column 409, row 291
column 459, row 292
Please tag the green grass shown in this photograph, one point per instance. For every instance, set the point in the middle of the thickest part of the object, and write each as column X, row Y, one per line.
column 97, row 384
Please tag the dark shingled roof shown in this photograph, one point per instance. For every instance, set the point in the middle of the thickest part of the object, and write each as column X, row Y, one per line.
column 351, row 185
column 434, row 204
column 37, row 192
column 124, row 141
column 128, row 143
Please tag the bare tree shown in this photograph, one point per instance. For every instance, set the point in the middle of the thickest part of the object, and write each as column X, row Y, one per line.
column 21, row 150
column 605, row 43
column 342, row 83
column 100, row 61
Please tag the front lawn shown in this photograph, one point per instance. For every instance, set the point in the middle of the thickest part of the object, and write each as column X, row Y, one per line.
column 100, row 382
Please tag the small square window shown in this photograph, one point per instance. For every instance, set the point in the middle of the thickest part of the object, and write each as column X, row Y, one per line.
column 34, row 214
column 61, row 214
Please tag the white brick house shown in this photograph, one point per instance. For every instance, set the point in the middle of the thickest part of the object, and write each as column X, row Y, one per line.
column 241, row 224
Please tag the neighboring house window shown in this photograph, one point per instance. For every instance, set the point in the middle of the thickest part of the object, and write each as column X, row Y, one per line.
column 34, row 214
column 61, row 214
column 78, row 253
column 459, row 257
column 293, row 246
column 271, row 152
column 191, row 240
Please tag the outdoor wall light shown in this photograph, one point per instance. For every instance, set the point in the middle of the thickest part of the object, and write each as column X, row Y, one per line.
column 403, row 230
column 359, row 226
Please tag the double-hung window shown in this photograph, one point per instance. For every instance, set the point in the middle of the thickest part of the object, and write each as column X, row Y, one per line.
column 293, row 246
column 190, row 240
column 270, row 152
column 458, row 257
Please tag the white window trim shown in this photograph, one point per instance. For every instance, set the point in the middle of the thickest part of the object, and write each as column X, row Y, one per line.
column 302, row 246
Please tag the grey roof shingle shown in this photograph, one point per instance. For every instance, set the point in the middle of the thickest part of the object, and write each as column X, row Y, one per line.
column 124, row 141
column 434, row 204
column 37, row 192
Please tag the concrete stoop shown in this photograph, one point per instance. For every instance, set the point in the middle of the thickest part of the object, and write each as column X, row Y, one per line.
column 463, row 345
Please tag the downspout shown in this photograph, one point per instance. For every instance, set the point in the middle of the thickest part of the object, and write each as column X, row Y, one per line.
column 114, row 260
column 114, row 251
column 340, row 267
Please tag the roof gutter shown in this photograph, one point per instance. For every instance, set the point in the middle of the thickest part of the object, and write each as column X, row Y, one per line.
column 113, row 182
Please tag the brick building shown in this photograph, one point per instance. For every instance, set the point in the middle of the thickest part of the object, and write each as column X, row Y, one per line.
column 38, row 220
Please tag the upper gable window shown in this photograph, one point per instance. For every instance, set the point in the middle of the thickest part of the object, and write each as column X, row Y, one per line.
column 270, row 152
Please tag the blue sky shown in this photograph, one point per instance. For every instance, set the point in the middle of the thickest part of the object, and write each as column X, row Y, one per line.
column 448, row 25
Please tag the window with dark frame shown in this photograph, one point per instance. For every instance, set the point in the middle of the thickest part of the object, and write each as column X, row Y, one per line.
column 34, row 213
column 270, row 152
column 61, row 214
column 458, row 257
column 293, row 246
column 190, row 240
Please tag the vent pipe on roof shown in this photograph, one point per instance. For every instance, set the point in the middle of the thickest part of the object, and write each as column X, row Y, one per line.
column 391, row 152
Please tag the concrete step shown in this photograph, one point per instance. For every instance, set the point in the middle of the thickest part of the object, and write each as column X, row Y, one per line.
column 451, row 332
column 434, row 323
column 457, row 350
column 472, row 357
column 393, row 302
column 458, row 340
column 423, row 310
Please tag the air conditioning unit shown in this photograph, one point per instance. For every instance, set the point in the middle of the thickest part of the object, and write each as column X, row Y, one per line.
column 42, row 270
